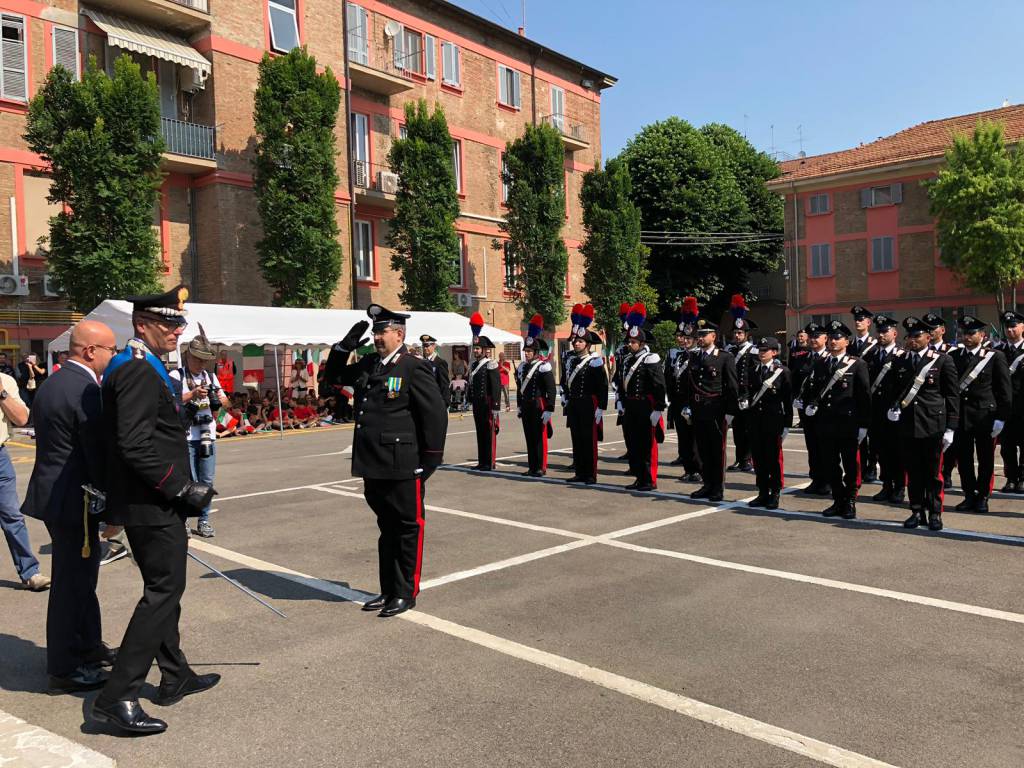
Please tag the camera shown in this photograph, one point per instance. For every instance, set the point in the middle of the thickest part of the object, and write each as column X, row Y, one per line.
column 205, row 445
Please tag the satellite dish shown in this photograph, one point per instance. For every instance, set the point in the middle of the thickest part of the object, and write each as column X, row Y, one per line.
column 391, row 29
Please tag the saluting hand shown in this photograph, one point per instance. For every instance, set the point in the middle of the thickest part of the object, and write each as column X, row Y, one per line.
column 354, row 338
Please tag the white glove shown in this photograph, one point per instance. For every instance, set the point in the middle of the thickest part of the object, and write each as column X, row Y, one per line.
column 997, row 427
column 687, row 413
column 947, row 439
column 810, row 410
column 519, row 412
column 785, row 434
column 565, row 400
column 655, row 418
column 619, row 406
column 728, row 419
column 861, row 434
column 893, row 414
column 598, row 415
column 545, row 417
column 495, row 414
column 743, row 404
column 798, row 404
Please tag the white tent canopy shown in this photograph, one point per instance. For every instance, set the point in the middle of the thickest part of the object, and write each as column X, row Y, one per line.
column 235, row 325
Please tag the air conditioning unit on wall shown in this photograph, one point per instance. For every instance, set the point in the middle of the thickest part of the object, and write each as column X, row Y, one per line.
column 464, row 299
column 13, row 285
column 387, row 182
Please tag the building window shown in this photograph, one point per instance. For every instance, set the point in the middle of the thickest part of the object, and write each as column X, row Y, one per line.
column 360, row 136
column 821, row 260
column 403, row 131
column 508, row 87
column 460, row 262
column 819, row 203
column 284, row 25
column 824, row 320
column 358, row 37
column 504, row 179
column 882, row 259
column 510, row 267
column 457, row 164
column 558, row 108
column 451, row 65
column 14, row 82
column 364, row 250
column 885, row 195
column 409, row 51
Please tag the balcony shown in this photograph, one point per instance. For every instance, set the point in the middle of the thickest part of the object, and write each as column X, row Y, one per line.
column 184, row 16
column 574, row 133
column 190, row 146
column 373, row 68
column 375, row 185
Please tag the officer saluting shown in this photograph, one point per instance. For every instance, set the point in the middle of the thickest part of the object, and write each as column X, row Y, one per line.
column 1011, row 441
column 985, row 405
column 676, row 364
column 643, row 397
column 484, row 392
column 398, row 443
column 439, row 367
column 584, row 395
column 769, row 411
column 745, row 354
column 925, row 409
column 150, row 492
column 712, row 393
column 838, row 397
column 535, row 383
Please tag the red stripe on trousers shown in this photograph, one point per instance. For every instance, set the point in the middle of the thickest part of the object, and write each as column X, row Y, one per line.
column 857, row 486
column 782, row 467
column 942, row 484
column 494, row 440
column 419, row 538
column 543, row 446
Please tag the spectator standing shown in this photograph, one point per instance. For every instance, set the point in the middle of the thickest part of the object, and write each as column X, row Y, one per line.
column 62, row 358
column 70, row 453
column 459, row 366
column 504, row 372
column 5, row 366
column 300, row 379
column 30, row 376
column 225, row 371
column 201, row 395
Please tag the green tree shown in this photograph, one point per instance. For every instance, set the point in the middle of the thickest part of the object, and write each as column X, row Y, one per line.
column 295, row 178
column 422, row 234
column 102, row 139
column 978, row 201
column 535, row 175
column 663, row 337
column 690, row 181
column 614, row 261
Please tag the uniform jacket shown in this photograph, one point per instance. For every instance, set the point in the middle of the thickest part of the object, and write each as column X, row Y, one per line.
column 401, row 420
column 68, row 416
column 538, row 394
column 587, row 390
column 745, row 356
column 646, row 387
column 989, row 397
column 147, row 454
column 857, row 347
column 848, row 400
column 774, row 409
column 889, row 387
column 712, row 389
column 676, row 365
column 484, row 384
column 1017, row 377
column 936, row 407
column 439, row 367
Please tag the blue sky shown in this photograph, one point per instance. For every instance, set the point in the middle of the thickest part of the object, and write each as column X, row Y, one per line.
column 839, row 73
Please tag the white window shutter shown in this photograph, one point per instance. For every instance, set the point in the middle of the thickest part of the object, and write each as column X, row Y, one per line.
column 503, row 95
column 896, row 192
column 65, row 49
column 15, row 82
column 865, row 198
column 430, row 57
column 358, row 39
column 399, row 44
column 456, row 65
column 515, row 90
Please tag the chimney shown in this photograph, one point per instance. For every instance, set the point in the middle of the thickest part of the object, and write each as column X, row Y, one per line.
column 522, row 31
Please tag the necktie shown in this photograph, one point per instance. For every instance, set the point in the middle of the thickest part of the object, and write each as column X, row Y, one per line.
column 915, row 358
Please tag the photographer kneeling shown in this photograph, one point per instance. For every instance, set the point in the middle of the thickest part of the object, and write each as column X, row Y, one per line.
column 201, row 397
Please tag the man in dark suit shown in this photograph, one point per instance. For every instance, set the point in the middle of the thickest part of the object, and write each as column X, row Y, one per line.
column 1011, row 441
column 150, row 492
column 769, row 409
column 439, row 366
column 986, row 401
column 924, row 404
column 69, row 454
column 535, row 383
column 401, row 424
column 838, row 396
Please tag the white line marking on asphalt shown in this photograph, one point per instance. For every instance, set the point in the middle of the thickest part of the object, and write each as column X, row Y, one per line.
column 511, row 562
column 790, row 741
column 24, row 744
column 332, row 453
column 276, row 490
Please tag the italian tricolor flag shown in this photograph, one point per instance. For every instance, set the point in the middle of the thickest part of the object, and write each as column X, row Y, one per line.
column 226, row 420
column 252, row 363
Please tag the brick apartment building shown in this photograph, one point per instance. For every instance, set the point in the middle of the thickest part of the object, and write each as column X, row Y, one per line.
column 858, row 229
column 490, row 81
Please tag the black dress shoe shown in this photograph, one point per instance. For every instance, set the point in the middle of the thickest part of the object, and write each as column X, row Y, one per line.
column 575, row 479
column 736, row 467
column 967, row 505
column 84, row 678
column 376, row 603
column 635, row 484
column 677, row 463
column 172, row 693
column 128, row 716
column 833, row 510
column 849, row 511
column 773, row 501
column 695, row 477
column 947, row 483
column 1018, row 487
column 397, row 605
column 981, row 505
column 883, row 495
column 870, row 477
column 934, row 521
column 915, row 519
column 746, row 466
column 647, row 487
column 589, row 480
column 701, row 493
column 760, row 501
column 1010, row 487
column 102, row 655
column 899, row 495
column 716, row 495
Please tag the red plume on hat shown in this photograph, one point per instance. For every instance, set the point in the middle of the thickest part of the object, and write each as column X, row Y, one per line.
column 738, row 307
column 689, row 312
column 587, row 316
column 623, row 310
column 536, row 327
column 476, row 324
column 637, row 315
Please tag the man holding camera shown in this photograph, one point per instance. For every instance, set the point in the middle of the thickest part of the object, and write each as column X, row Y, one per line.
column 201, row 397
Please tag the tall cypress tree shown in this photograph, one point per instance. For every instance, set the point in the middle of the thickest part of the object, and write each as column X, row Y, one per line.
column 102, row 139
column 425, row 246
column 296, row 178
column 535, row 175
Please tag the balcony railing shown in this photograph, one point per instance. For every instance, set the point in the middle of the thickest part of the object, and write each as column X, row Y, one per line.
column 188, row 139
column 379, row 69
column 568, row 127
column 196, row 5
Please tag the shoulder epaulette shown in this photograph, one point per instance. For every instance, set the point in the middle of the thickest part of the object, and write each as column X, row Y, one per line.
column 597, row 362
column 652, row 359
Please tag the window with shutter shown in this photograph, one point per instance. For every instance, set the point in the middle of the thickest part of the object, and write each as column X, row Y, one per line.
column 364, row 250
column 558, row 108
column 896, row 192
column 460, row 280
column 508, row 87
column 412, row 50
column 65, row 49
column 882, row 259
column 358, row 39
column 430, row 63
column 399, row 48
column 865, row 198
column 821, row 261
column 451, row 66
column 819, row 203
column 457, row 164
column 14, row 83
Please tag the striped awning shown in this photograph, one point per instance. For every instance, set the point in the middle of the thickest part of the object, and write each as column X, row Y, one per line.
column 133, row 36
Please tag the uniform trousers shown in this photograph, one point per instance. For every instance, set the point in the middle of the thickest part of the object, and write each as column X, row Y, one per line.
column 1011, row 448
column 741, row 436
column 922, row 457
column 536, row 434
column 766, row 450
column 399, row 506
column 160, row 552
column 583, row 431
column 884, row 437
column 815, row 467
column 687, row 444
column 640, row 442
column 486, row 434
column 840, row 456
column 709, row 429
column 73, row 612
column 968, row 442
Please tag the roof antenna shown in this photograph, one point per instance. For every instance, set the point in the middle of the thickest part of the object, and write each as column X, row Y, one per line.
column 800, row 133
column 522, row 29
column 1006, row 102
